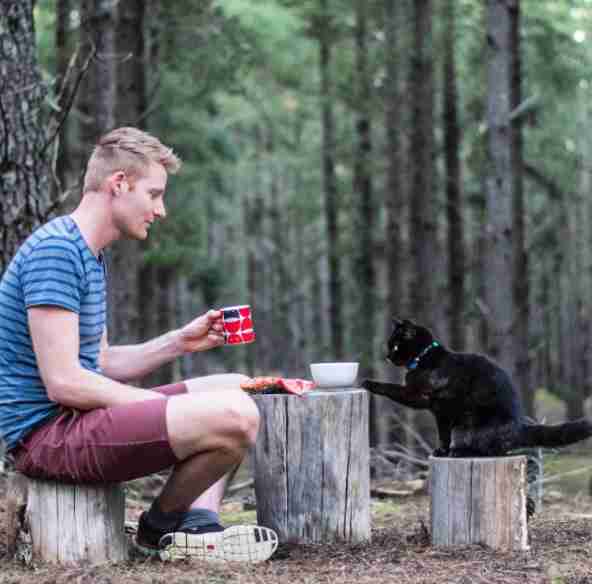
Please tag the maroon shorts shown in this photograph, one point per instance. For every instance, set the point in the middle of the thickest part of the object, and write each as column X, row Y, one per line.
column 103, row 445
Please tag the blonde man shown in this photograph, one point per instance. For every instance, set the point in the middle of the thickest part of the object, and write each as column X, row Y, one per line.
column 66, row 410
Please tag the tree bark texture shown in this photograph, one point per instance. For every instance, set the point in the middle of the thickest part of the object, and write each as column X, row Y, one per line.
column 281, row 276
column 312, row 464
column 98, row 95
column 500, row 185
column 454, row 203
column 479, row 501
column 63, row 38
column 364, row 214
column 330, row 186
column 424, row 246
column 521, row 288
column 24, row 170
column 64, row 523
column 258, row 268
column 396, row 177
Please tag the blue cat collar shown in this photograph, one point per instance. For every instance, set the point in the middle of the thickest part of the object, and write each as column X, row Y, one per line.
column 415, row 361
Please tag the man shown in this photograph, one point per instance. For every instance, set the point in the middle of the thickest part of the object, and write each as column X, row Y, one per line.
column 66, row 412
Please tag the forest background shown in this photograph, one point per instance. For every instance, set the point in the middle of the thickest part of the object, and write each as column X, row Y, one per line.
column 345, row 161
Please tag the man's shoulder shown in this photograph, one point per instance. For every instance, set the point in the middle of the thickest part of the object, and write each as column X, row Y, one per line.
column 59, row 229
column 59, row 235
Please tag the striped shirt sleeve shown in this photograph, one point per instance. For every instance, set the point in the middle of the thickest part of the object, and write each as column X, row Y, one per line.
column 53, row 274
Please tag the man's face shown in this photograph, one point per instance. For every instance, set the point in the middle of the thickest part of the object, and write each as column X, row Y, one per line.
column 139, row 202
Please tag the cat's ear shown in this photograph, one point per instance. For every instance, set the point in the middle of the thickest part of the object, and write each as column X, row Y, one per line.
column 396, row 322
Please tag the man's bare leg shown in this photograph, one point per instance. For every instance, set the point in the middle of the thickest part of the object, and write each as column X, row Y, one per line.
column 212, row 498
column 210, row 433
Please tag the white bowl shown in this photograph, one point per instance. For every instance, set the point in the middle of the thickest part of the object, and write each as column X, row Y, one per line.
column 334, row 374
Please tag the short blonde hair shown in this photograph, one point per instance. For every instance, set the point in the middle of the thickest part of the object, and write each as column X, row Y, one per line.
column 129, row 150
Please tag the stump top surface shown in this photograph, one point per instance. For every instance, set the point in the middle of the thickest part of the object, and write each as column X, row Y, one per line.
column 333, row 392
column 450, row 460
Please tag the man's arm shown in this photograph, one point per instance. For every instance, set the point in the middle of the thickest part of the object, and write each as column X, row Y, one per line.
column 129, row 362
column 55, row 336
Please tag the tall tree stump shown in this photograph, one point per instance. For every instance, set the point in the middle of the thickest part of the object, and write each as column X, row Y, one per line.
column 64, row 523
column 312, row 477
column 479, row 500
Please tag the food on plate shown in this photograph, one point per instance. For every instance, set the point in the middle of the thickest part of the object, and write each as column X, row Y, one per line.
column 269, row 384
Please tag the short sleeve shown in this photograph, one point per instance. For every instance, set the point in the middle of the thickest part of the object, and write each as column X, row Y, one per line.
column 53, row 274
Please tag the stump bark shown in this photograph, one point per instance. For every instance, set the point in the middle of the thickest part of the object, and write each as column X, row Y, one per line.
column 312, row 477
column 479, row 500
column 65, row 523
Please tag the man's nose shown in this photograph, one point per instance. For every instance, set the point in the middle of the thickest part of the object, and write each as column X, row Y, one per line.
column 160, row 210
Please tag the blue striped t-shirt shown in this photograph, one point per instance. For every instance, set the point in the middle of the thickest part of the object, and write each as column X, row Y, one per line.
column 54, row 266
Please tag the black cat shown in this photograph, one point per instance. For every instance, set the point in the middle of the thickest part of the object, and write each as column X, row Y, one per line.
column 477, row 409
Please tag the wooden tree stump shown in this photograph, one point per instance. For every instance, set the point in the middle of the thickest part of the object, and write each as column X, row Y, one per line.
column 65, row 524
column 479, row 500
column 312, row 477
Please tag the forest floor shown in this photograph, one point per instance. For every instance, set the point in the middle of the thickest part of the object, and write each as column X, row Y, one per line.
column 560, row 553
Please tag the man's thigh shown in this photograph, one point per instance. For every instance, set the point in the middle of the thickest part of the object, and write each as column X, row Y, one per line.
column 103, row 445
column 216, row 382
column 203, row 420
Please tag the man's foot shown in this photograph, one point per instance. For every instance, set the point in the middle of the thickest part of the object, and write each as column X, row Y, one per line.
column 239, row 543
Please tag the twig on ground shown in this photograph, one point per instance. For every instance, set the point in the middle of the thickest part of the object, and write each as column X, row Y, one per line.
column 240, row 486
column 400, row 454
column 411, row 430
column 560, row 475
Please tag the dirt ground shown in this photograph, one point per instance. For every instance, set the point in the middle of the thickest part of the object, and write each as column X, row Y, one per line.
column 561, row 553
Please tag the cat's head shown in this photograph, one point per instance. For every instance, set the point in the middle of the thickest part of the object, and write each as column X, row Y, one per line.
column 407, row 341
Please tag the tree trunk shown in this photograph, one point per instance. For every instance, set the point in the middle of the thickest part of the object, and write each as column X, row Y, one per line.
column 424, row 244
column 521, row 288
column 301, row 239
column 311, row 466
column 364, row 331
column 65, row 167
column 396, row 179
column 98, row 19
column 280, row 276
column 479, row 501
column 453, row 178
column 330, row 186
column 24, row 169
column 258, row 273
column 500, row 186
column 67, row 524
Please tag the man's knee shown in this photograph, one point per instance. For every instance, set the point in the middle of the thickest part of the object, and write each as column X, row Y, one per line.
column 244, row 416
column 228, row 420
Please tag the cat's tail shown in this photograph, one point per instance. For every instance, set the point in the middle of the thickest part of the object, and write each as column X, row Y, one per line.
column 553, row 435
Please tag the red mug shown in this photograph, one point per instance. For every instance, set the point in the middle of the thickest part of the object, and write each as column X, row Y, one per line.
column 237, row 323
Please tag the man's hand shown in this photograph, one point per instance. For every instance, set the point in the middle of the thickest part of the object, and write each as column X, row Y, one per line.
column 202, row 333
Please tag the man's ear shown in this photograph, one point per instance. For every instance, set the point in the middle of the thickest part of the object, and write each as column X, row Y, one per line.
column 118, row 183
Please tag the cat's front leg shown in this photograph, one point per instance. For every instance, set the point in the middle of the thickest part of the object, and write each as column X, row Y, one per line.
column 444, row 428
column 403, row 394
column 380, row 387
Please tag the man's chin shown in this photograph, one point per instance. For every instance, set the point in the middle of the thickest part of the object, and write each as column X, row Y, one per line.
column 139, row 235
